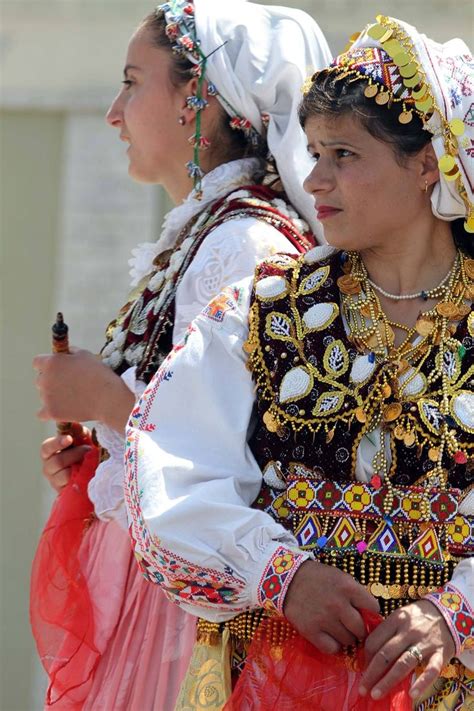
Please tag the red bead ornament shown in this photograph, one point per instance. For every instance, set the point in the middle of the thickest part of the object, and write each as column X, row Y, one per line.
column 376, row 481
column 460, row 457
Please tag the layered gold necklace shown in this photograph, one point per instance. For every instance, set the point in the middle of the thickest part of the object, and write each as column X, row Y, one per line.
column 372, row 332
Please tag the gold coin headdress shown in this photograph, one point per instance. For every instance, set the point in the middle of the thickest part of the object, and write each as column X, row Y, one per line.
column 433, row 81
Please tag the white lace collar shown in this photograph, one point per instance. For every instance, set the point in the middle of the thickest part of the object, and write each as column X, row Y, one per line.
column 215, row 184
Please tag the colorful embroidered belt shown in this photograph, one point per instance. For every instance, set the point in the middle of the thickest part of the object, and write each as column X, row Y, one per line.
column 331, row 515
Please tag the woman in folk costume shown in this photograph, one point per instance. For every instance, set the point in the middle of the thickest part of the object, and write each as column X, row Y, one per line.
column 326, row 468
column 203, row 75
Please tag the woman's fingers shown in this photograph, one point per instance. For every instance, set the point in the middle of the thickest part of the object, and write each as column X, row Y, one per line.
column 59, row 480
column 398, row 668
column 328, row 621
column 353, row 622
column 428, row 675
column 52, row 445
column 57, row 466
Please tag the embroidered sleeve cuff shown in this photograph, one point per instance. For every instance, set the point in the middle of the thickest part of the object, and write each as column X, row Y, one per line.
column 458, row 615
column 277, row 576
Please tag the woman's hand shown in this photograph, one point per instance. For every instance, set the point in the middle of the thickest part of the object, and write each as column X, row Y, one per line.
column 324, row 604
column 418, row 625
column 58, row 457
column 77, row 387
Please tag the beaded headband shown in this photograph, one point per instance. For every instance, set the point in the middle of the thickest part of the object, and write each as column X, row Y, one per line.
column 395, row 75
column 181, row 31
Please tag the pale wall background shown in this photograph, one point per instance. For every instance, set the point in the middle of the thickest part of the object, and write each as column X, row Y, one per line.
column 70, row 217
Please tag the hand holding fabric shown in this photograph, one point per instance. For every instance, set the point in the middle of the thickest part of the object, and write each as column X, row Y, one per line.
column 59, row 456
column 418, row 626
column 324, row 603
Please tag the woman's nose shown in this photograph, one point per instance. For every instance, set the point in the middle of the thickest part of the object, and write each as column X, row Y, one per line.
column 318, row 179
column 114, row 115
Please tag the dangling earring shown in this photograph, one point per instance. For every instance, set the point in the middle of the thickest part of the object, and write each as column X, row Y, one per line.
column 182, row 121
column 426, row 186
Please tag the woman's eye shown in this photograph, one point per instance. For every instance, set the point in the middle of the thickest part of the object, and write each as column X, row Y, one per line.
column 127, row 83
column 344, row 153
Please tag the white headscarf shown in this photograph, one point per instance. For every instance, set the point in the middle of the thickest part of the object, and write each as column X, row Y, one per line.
column 449, row 72
column 268, row 53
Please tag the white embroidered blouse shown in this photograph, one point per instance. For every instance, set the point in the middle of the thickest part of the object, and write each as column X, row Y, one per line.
column 191, row 476
column 229, row 253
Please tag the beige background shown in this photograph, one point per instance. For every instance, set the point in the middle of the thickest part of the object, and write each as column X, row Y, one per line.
column 69, row 217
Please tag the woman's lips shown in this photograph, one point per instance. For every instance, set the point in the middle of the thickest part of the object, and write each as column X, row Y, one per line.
column 325, row 211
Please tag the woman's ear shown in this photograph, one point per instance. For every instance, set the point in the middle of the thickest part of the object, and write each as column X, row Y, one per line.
column 429, row 171
column 188, row 91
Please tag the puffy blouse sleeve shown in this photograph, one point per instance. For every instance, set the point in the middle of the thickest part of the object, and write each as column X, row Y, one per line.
column 191, row 477
column 228, row 254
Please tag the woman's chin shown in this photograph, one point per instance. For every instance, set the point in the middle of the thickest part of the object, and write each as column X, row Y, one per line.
column 139, row 175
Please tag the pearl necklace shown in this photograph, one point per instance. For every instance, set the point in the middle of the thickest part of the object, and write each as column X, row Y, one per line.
column 431, row 293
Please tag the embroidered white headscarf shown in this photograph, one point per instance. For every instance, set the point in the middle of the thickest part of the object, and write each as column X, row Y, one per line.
column 449, row 73
column 265, row 54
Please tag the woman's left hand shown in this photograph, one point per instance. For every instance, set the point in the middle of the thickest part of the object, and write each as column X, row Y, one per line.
column 418, row 627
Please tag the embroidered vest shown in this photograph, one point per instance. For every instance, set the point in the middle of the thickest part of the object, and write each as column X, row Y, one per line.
column 312, row 385
column 144, row 327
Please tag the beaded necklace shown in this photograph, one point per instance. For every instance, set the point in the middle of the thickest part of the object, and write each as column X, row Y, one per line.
column 371, row 331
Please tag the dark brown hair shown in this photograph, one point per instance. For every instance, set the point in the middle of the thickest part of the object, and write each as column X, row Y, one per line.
column 333, row 96
column 232, row 142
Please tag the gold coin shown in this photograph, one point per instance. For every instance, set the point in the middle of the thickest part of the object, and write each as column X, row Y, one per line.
column 469, row 224
column 412, row 592
column 395, row 591
column 401, row 58
column 422, row 590
column 403, row 366
column 451, row 177
column 409, row 439
column 420, row 93
column 360, row 415
column 386, row 391
column 249, row 346
column 377, row 589
column 371, row 90
column 457, row 127
column 409, row 70
column 393, row 47
column 413, row 81
column 376, row 31
column 386, row 36
column 382, row 98
column 446, row 163
column 424, row 105
column 392, row 411
column 365, row 309
column 447, row 309
column 463, row 310
column 373, row 341
column 399, row 432
column 470, row 291
column 405, row 117
column 348, row 285
column 385, row 594
column 270, row 422
column 469, row 268
column 424, row 326
column 433, row 454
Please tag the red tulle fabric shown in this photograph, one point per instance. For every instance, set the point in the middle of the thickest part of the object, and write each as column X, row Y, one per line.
column 295, row 676
column 60, row 605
